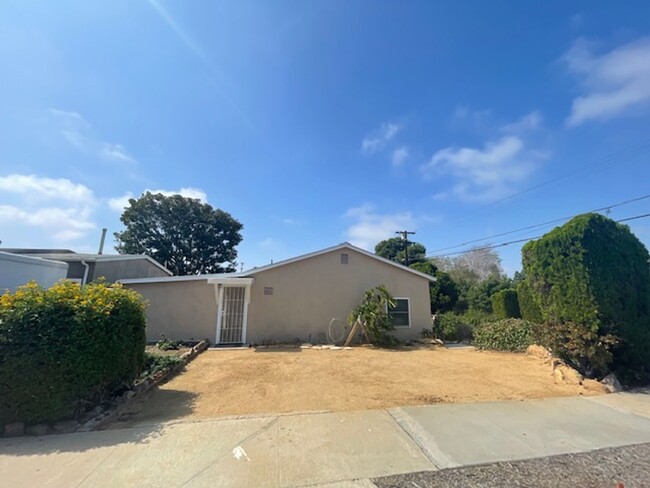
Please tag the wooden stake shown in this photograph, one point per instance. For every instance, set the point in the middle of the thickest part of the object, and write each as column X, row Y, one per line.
column 352, row 333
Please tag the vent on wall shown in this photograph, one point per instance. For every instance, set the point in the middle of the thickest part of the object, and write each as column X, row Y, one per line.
column 268, row 290
column 344, row 258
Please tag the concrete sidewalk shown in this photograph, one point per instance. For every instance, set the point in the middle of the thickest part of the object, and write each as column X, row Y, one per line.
column 321, row 448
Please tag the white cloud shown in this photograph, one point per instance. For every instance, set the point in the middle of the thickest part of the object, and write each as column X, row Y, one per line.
column 78, row 132
column 378, row 138
column 400, row 155
column 483, row 174
column 33, row 187
column 614, row 84
column 64, row 224
column 490, row 172
column 187, row 192
column 120, row 203
column 370, row 227
column 528, row 122
column 32, row 201
column 116, row 152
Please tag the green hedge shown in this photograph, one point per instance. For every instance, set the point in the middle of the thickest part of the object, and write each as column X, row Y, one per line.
column 65, row 348
column 505, row 304
column 594, row 273
column 453, row 327
column 529, row 310
column 504, row 335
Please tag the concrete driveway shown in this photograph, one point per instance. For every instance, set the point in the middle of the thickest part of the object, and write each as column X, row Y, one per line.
column 346, row 448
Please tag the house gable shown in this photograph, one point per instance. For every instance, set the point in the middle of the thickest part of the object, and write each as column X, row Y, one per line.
column 343, row 248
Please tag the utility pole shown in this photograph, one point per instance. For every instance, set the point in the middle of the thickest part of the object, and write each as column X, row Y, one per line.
column 405, row 237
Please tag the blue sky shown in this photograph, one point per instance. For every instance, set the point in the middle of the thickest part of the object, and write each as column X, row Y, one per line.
column 318, row 122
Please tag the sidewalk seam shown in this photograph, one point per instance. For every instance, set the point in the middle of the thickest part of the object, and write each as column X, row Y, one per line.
column 416, row 440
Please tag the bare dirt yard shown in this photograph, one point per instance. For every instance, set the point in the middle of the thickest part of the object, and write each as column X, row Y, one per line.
column 239, row 382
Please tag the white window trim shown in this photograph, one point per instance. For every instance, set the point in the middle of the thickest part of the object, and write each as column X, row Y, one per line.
column 408, row 302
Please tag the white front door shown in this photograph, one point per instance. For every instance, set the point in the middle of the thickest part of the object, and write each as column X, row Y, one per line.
column 232, row 310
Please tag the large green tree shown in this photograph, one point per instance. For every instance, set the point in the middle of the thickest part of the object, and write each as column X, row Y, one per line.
column 443, row 293
column 394, row 250
column 184, row 234
column 479, row 294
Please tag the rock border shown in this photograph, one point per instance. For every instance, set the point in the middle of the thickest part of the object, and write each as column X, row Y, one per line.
column 563, row 373
column 101, row 415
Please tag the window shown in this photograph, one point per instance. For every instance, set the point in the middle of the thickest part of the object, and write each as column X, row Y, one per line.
column 400, row 314
column 268, row 290
column 344, row 258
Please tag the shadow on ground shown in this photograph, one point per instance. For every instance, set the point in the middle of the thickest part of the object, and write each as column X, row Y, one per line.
column 156, row 406
column 176, row 404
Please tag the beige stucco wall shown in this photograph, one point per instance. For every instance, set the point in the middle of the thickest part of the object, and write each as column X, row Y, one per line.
column 307, row 294
column 182, row 310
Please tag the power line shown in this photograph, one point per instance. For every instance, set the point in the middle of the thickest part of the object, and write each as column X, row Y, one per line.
column 543, row 224
column 634, row 218
column 622, row 156
column 405, row 237
column 507, row 243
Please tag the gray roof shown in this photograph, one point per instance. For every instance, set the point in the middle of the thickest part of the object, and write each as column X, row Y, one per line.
column 68, row 256
column 34, row 260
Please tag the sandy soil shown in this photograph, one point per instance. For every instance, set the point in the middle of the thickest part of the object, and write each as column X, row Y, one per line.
column 234, row 382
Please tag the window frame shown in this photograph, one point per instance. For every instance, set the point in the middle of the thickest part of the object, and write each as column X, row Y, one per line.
column 408, row 304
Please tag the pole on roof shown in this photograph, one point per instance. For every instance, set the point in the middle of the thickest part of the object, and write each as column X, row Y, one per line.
column 101, row 241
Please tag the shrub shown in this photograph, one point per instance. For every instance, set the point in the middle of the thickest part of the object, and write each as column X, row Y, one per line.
column 505, row 304
column 452, row 327
column 64, row 348
column 477, row 317
column 513, row 335
column 530, row 311
column 153, row 363
column 165, row 344
column 373, row 313
column 594, row 274
column 480, row 293
column 578, row 346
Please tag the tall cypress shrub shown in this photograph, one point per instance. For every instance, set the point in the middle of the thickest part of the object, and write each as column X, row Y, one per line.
column 530, row 311
column 505, row 304
column 594, row 273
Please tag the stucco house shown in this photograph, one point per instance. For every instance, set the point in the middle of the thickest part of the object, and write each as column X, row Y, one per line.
column 288, row 300
column 87, row 267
